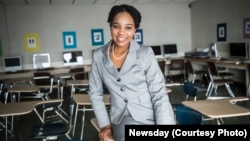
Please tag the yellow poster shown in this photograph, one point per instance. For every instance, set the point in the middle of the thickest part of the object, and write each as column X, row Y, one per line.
column 31, row 42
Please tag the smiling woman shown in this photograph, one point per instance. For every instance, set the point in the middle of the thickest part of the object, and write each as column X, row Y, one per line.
column 132, row 76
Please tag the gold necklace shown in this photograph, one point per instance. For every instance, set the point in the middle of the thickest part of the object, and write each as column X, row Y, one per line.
column 117, row 58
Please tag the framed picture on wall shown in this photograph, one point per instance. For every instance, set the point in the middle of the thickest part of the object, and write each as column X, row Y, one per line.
column 246, row 27
column 31, row 42
column 69, row 39
column 222, row 32
column 97, row 37
column 139, row 36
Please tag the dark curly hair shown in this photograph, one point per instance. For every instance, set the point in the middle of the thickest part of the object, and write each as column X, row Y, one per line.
column 136, row 15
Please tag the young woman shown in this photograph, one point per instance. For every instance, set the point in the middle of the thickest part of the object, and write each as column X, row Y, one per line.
column 131, row 74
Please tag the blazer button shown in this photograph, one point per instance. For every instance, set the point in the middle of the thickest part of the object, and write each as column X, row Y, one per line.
column 118, row 79
column 125, row 100
column 122, row 89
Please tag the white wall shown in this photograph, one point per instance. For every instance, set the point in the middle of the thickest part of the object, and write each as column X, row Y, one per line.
column 206, row 14
column 160, row 23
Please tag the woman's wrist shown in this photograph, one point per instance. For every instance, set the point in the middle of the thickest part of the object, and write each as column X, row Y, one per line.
column 106, row 127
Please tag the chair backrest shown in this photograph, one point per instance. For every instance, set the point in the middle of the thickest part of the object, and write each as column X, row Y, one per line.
column 186, row 116
column 212, row 68
column 3, row 90
column 176, row 64
column 162, row 65
column 79, row 73
column 190, row 89
column 189, row 67
column 43, row 78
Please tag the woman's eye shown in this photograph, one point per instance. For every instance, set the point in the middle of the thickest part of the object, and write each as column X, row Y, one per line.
column 115, row 26
column 128, row 28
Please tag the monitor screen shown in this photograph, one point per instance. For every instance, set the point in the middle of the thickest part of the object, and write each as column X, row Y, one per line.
column 157, row 50
column 72, row 58
column 170, row 50
column 41, row 60
column 12, row 64
column 238, row 50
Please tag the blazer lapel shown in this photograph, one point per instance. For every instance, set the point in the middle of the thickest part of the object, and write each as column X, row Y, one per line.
column 131, row 57
column 107, row 62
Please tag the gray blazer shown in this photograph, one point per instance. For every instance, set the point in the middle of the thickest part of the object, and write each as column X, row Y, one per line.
column 139, row 87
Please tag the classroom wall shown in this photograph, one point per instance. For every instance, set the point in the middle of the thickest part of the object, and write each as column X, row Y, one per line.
column 160, row 23
column 207, row 14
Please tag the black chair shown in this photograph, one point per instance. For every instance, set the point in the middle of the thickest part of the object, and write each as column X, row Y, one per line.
column 216, row 81
column 79, row 74
column 191, row 90
column 162, row 65
column 176, row 68
column 194, row 72
column 53, row 129
column 187, row 116
column 53, row 125
column 53, row 109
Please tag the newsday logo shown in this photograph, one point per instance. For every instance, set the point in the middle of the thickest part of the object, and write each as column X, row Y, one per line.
column 164, row 132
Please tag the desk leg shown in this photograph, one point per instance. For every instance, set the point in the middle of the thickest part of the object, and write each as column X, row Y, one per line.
column 74, row 126
column 220, row 121
column 6, row 128
column 72, row 90
column 83, row 119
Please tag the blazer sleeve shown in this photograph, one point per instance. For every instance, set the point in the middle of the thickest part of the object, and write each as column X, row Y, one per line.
column 162, row 107
column 96, row 93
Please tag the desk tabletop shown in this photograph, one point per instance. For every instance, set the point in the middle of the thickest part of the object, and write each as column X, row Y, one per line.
column 24, row 88
column 219, row 108
column 21, row 108
column 78, row 82
column 83, row 99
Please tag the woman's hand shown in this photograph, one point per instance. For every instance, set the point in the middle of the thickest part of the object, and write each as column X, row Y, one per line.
column 106, row 133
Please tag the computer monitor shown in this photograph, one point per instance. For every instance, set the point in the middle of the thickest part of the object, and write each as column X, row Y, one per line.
column 238, row 50
column 72, row 58
column 214, row 54
column 157, row 51
column 170, row 50
column 12, row 64
column 41, row 60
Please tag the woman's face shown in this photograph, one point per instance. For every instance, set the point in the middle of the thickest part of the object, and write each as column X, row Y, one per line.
column 122, row 29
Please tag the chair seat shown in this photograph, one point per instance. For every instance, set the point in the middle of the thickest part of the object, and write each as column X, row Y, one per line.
column 223, row 81
column 49, row 129
column 187, row 116
column 199, row 72
column 225, row 74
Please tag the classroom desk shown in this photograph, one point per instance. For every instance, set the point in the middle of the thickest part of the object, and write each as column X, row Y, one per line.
column 20, row 108
column 23, row 89
column 29, row 73
column 220, row 108
column 74, row 83
column 83, row 100
column 226, row 64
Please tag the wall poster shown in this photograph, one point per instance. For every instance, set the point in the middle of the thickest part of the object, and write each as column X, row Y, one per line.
column 69, row 39
column 97, row 37
column 31, row 42
column 222, row 32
